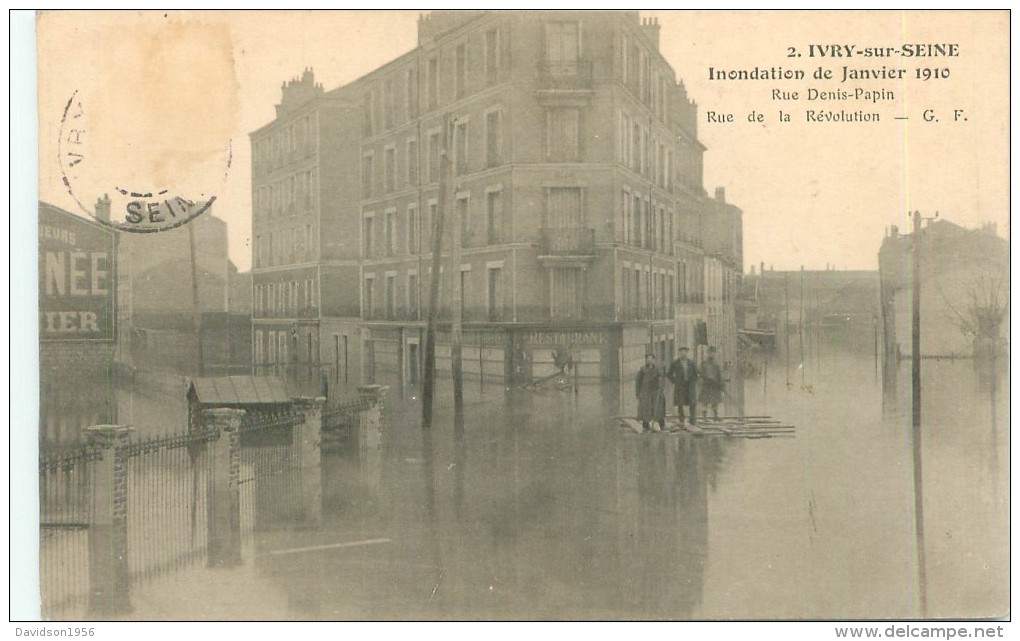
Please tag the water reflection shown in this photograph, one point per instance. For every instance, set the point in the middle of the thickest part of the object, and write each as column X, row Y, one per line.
column 536, row 506
column 533, row 507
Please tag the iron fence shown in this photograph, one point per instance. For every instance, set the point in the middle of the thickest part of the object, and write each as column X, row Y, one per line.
column 66, row 487
column 167, row 478
column 119, row 511
column 339, row 421
column 269, row 470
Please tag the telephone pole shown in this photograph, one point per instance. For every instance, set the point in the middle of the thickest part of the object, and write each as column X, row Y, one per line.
column 786, row 323
column 800, row 328
column 915, row 381
column 196, row 312
column 429, row 382
column 456, row 360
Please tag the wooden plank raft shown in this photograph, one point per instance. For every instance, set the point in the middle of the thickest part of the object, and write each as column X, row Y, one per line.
column 751, row 427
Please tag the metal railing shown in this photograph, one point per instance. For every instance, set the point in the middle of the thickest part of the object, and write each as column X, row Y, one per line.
column 166, row 517
column 66, row 486
column 151, row 505
column 567, row 241
column 565, row 75
column 339, row 421
column 270, row 465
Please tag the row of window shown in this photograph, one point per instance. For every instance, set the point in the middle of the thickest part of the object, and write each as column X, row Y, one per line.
column 646, row 224
column 285, row 246
column 285, row 298
column 274, row 350
column 639, row 74
column 287, row 144
column 387, row 303
column 396, row 99
column 644, row 152
column 287, row 196
column 398, row 175
column 645, row 292
column 392, row 234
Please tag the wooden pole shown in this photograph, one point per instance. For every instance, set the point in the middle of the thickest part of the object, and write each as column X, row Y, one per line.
column 915, row 379
column 456, row 350
column 786, row 323
column 819, row 316
column 800, row 328
column 196, row 312
column 429, row 382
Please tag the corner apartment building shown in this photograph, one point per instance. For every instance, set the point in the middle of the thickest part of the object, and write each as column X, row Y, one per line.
column 574, row 153
column 575, row 165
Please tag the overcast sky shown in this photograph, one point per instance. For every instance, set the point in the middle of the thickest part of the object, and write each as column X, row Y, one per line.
column 815, row 194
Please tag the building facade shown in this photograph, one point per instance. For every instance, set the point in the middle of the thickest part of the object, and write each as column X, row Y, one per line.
column 305, row 252
column 964, row 291
column 78, row 325
column 574, row 168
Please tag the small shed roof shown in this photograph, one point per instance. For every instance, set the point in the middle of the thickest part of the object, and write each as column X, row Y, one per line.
column 240, row 390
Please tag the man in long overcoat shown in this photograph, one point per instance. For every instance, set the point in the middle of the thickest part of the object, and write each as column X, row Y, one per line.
column 648, row 388
column 683, row 373
column 711, row 383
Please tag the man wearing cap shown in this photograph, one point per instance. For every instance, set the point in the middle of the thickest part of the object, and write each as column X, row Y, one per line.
column 683, row 373
column 648, row 388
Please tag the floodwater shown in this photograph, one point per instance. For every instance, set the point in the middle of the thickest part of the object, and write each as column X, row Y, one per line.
column 540, row 507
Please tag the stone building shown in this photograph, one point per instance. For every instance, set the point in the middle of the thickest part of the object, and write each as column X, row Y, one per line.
column 964, row 284
column 305, row 252
column 575, row 165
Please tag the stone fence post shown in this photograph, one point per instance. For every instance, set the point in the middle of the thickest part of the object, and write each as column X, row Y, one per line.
column 223, row 489
column 108, row 540
column 369, row 426
column 370, row 421
column 307, row 440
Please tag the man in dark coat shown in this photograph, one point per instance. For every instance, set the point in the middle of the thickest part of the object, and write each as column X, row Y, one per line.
column 711, row 383
column 648, row 388
column 683, row 373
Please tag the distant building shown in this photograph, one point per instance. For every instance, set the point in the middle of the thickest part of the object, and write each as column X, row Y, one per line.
column 964, row 275
column 77, row 325
column 239, row 295
column 575, row 165
column 837, row 306
column 714, row 255
column 158, row 293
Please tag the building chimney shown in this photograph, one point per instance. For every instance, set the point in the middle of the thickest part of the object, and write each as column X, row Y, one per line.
column 103, row 208
column 720, row 194
column 650, row 26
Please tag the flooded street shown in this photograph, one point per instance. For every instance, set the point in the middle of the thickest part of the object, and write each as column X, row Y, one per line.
column 540, row 506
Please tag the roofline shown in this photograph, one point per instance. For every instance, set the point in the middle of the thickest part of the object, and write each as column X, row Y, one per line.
column 327, row 97
column 84, row 219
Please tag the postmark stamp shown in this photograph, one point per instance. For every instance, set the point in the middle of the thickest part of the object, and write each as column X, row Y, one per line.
column 149, row 209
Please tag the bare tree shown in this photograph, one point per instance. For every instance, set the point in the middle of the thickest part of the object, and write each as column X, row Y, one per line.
column 983, row 308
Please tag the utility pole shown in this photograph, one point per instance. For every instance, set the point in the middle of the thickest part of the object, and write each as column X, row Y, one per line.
column 800, row 332
column 196, row 312
column 819, row 328
column 915, row 380
column 456, row 352
column 786, row 323
column 429, row 382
